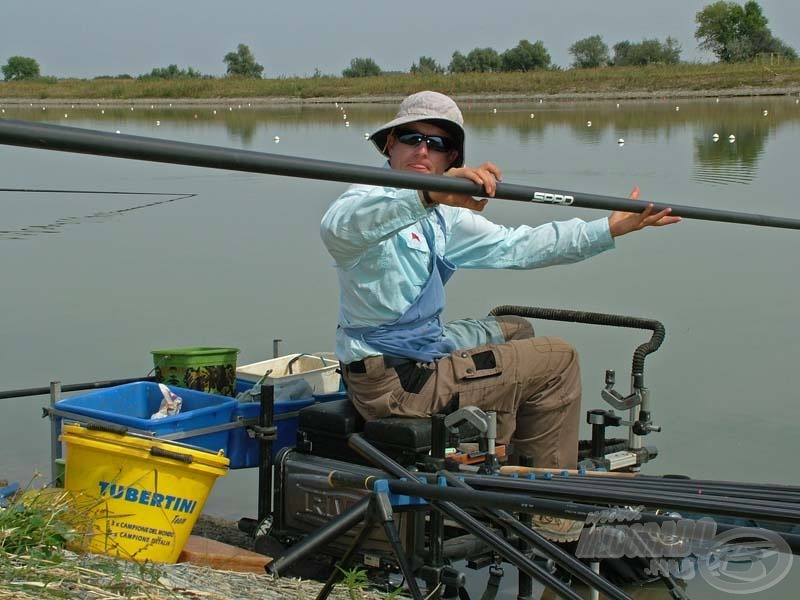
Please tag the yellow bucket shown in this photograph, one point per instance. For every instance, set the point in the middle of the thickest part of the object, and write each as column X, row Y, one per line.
column 144, row 494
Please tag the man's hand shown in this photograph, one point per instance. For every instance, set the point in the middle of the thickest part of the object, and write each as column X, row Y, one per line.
column 620, row 223
column 487, row 176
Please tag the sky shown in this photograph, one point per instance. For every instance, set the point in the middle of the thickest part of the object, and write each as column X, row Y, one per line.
column 87, row 38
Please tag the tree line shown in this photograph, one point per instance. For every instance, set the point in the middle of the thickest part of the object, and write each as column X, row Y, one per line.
column 732, row 32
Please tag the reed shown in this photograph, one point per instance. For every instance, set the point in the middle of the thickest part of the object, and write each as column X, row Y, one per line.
column 606, row 81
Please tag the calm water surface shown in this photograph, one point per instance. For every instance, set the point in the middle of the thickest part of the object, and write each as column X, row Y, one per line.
column 91, row 283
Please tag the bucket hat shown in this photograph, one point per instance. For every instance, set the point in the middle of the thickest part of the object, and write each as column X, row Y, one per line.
column 430, row 106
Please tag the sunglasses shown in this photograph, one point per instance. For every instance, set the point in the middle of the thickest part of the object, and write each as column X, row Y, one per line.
column 437, row 143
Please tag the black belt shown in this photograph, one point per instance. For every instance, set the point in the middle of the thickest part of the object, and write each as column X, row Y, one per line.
column 390, row 362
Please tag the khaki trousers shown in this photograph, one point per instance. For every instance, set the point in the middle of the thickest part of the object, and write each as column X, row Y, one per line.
column 532, row 383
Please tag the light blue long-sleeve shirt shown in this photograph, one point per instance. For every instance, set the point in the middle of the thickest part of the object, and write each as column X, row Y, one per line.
column 382, row 260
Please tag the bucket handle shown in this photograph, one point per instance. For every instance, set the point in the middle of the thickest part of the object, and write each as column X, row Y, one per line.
column 185, row 458
column 108, row 427
column 324, row 360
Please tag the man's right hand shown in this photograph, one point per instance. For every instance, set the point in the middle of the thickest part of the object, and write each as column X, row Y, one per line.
column 487, row 176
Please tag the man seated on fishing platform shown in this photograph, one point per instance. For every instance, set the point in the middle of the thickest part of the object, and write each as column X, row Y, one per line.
column 394, row 251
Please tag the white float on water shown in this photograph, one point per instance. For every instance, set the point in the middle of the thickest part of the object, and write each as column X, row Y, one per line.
column 588, row 123
column 277, row 139
column 731, row 138
column 715, row 137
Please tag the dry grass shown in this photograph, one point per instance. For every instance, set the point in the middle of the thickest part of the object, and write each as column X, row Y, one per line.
column 609, row 81
column 38, row 525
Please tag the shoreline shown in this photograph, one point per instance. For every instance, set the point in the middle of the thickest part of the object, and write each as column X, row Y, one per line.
column 640, row 95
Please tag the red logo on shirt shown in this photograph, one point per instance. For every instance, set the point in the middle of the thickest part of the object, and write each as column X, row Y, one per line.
column 415, row 237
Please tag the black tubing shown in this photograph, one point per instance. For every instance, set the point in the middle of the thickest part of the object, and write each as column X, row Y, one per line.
column 594, row 318
column 86, row 141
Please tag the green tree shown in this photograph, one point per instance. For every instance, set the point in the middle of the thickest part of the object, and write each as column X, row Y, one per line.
column 589, row 53
column 483, row 60
column 20, row 67
column 735, row 33
column 242, row 63
column 426, row 65
column 647, row 52
column 362, row 67
column 458, row 63
column 172, row 72
column 525, row 57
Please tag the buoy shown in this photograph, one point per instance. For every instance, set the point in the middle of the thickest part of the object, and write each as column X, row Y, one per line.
column 117, row 130
column 215, row 111
column 131, row 108
column 158, row 123
column 66, row 115
column 731, row 138
column 717, row 100
column 588, row 123
column 533, row 116
column 102, row 111
column 344, row 116
column 494, row 110
column 617, row 104
column 620, row 141
column 715, row 137
column 44, row 108
column 277, row 139
column 677, row 108
column 366, row 136
column 766, row 112
column 347, row 123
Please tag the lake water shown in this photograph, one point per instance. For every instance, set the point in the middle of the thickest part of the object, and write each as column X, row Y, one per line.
column 92, row 282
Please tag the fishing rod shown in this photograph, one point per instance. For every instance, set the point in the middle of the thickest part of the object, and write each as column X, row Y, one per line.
column 781, row 512
column 108, row 193
column 71, row 387
column 687, row 486
column 87, row 141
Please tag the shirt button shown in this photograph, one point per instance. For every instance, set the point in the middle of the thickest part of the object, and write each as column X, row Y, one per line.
column 464, row 355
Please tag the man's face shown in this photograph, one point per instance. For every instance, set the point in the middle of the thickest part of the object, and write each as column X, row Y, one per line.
column 426, row 156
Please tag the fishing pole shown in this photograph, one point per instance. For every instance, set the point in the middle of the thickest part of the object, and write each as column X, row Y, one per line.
column 684, row 484
column 770, row 511
column 108, row 193
column 87, row 141
column 71, row 387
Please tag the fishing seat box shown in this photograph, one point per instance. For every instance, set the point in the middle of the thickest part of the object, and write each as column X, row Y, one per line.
column 323, row 430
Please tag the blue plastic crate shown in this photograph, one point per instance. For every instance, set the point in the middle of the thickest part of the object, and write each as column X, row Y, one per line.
column 244, row 451
column 132, row 404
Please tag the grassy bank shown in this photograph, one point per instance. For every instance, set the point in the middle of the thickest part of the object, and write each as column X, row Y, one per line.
column 609, row 82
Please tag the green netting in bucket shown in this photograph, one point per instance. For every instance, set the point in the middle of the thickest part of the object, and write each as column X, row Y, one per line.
column 202, row 368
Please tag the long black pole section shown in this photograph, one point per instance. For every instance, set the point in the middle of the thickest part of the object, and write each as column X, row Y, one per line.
column 87, row 141
column 71, row 387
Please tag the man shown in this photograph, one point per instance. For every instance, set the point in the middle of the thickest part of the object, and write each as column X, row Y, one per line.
column 394, row 251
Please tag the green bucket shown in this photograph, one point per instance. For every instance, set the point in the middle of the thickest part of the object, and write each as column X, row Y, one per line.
column 211, row 370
